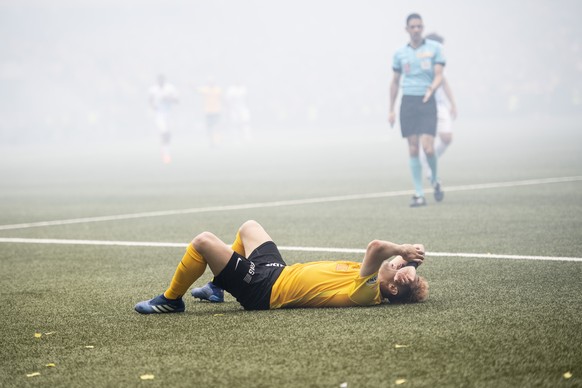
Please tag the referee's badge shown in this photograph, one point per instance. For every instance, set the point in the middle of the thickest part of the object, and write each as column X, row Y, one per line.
column 425, row 54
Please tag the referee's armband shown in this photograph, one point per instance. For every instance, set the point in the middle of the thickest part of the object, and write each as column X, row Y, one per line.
column 412, row 264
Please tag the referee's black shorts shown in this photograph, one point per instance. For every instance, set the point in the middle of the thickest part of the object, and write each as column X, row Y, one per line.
column 417, row 117
column 250, row 280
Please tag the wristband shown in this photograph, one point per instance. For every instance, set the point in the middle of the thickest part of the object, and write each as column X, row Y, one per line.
column 412, row 264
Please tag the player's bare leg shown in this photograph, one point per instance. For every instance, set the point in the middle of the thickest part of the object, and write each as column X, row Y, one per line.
column 442, row 142
column 253, row 235
column 250, row 235
column 213, row 250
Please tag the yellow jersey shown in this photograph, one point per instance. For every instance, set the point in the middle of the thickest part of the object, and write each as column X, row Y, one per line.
column 325, row 284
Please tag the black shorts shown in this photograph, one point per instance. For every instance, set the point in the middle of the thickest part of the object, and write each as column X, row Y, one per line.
column 417, row 117
column 250, row 280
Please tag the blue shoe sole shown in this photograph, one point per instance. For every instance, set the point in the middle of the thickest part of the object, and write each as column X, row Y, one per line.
column 146, row 307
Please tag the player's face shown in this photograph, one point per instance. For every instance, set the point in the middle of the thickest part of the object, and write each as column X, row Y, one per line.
column 415, row 28
column 389, row 282
column 390, row 272
column 386, row 272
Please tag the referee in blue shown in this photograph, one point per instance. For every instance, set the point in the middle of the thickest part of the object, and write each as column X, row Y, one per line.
column 420, row 65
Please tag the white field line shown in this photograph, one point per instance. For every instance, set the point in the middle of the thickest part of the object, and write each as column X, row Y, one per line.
column 282, row 248
column 292, row 202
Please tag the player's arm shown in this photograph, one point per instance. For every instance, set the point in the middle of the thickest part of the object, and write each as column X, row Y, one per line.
column 379, row 250
column 394, row 86
column 449, row 93
column 436, row 82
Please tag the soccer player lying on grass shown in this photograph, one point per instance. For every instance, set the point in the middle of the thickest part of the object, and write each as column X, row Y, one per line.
column 262, row 280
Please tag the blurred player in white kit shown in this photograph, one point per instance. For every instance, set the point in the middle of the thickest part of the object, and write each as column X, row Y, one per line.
column 162, row 96
column 446, row 113
column 238, row 111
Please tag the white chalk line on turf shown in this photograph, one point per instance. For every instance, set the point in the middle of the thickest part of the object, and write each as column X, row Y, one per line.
column 282, row 248
column 292, row 202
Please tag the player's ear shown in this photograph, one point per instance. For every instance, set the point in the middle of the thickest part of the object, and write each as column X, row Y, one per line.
column 392, row 289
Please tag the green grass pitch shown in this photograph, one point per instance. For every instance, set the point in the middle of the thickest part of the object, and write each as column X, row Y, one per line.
column 489, row 322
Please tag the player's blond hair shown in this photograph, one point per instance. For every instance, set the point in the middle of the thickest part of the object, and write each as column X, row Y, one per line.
column 413, row 293
column 418, row 292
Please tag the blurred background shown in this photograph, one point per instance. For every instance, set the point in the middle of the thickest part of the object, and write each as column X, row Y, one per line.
column 81, row 70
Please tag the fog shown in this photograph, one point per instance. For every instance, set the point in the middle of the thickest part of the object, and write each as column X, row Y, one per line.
column 82, row 69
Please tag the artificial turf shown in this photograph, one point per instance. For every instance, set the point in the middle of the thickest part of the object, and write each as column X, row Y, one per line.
column 488, row 322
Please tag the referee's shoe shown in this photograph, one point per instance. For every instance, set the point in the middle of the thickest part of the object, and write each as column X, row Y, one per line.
column 439, row 194
column 417, row 201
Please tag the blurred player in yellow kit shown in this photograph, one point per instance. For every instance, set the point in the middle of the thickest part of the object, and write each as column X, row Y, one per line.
column 262, row 280
column 212, row 95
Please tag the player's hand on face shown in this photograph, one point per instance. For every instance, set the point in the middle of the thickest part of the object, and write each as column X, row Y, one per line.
column 413, row 253
column 405, row 275
column 420, row 247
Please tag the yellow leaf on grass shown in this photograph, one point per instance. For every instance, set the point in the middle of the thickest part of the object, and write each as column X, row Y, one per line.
column 401, row 346
column 400, row 381
column 33, row 374
column 567, row 375
column 51, row 365
column 37, row 335
column 146, row 377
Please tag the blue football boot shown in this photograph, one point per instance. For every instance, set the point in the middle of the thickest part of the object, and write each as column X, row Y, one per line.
column 160, row 305
column 209, row 292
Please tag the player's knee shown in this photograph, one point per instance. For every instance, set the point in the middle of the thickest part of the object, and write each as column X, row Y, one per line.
column 203, row 240
column 428, row 151
column 248, row 225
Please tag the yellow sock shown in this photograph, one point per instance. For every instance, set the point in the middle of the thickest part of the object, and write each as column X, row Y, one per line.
column 190, row 268
column 238, row 246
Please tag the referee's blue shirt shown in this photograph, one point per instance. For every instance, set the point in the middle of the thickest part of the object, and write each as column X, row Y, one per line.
column 417, row 66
